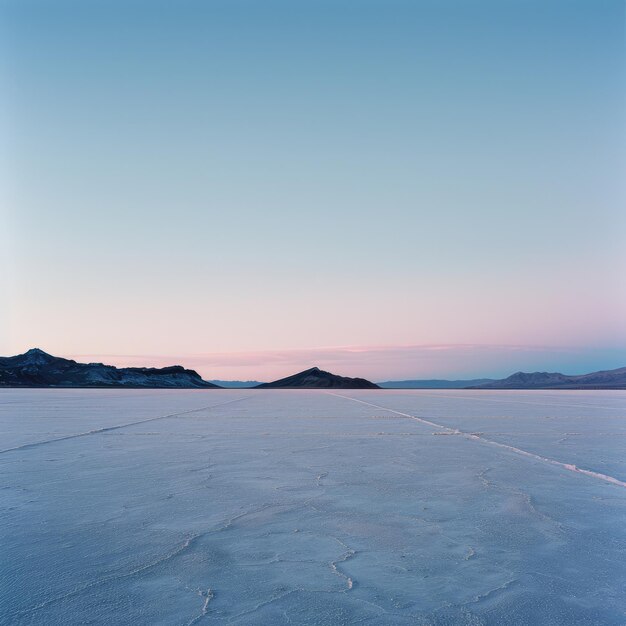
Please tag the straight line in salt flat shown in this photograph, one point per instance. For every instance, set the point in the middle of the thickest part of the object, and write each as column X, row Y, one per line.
column 106, row 429
column 474, row 437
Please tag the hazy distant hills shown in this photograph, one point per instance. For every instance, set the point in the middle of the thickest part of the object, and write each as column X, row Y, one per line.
column 607, row 379
column 316, row 378
column 236, row 384
column 435, row 383
column 36, row 368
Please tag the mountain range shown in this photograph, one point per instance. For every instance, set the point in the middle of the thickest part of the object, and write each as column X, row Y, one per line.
column 37, row 368
column 606, row 379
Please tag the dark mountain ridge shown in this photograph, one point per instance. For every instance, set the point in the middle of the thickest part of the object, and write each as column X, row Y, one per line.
column 37, row 368
column 315, row 378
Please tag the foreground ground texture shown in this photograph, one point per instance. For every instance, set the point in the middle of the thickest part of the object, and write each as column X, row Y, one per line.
column 311, row 507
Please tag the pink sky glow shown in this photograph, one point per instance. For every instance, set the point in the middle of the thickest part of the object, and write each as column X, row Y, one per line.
column 375, row 362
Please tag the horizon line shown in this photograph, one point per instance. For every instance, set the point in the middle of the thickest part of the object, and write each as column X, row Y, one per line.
column 385, row 363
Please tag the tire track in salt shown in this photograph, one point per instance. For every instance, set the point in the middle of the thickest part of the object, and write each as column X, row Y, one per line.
column 106, row 429
column 481, row 439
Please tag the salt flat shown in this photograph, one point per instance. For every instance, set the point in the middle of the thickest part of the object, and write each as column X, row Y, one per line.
column 309, row 507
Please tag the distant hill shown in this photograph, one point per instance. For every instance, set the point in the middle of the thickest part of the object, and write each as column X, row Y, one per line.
column 37, row 368
column 316, row 378
column 607, row 379
column 236, row 384
column 434, row 383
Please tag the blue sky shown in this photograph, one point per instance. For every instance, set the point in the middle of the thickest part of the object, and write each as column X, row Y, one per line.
column 238, row 177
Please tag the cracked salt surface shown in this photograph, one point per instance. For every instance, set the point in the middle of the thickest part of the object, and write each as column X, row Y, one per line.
column 305, row 507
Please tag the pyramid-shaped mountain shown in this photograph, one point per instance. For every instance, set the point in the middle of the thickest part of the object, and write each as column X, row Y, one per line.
column 316, row 378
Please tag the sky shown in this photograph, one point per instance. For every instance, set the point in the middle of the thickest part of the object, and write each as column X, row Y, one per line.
column 387, row 189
